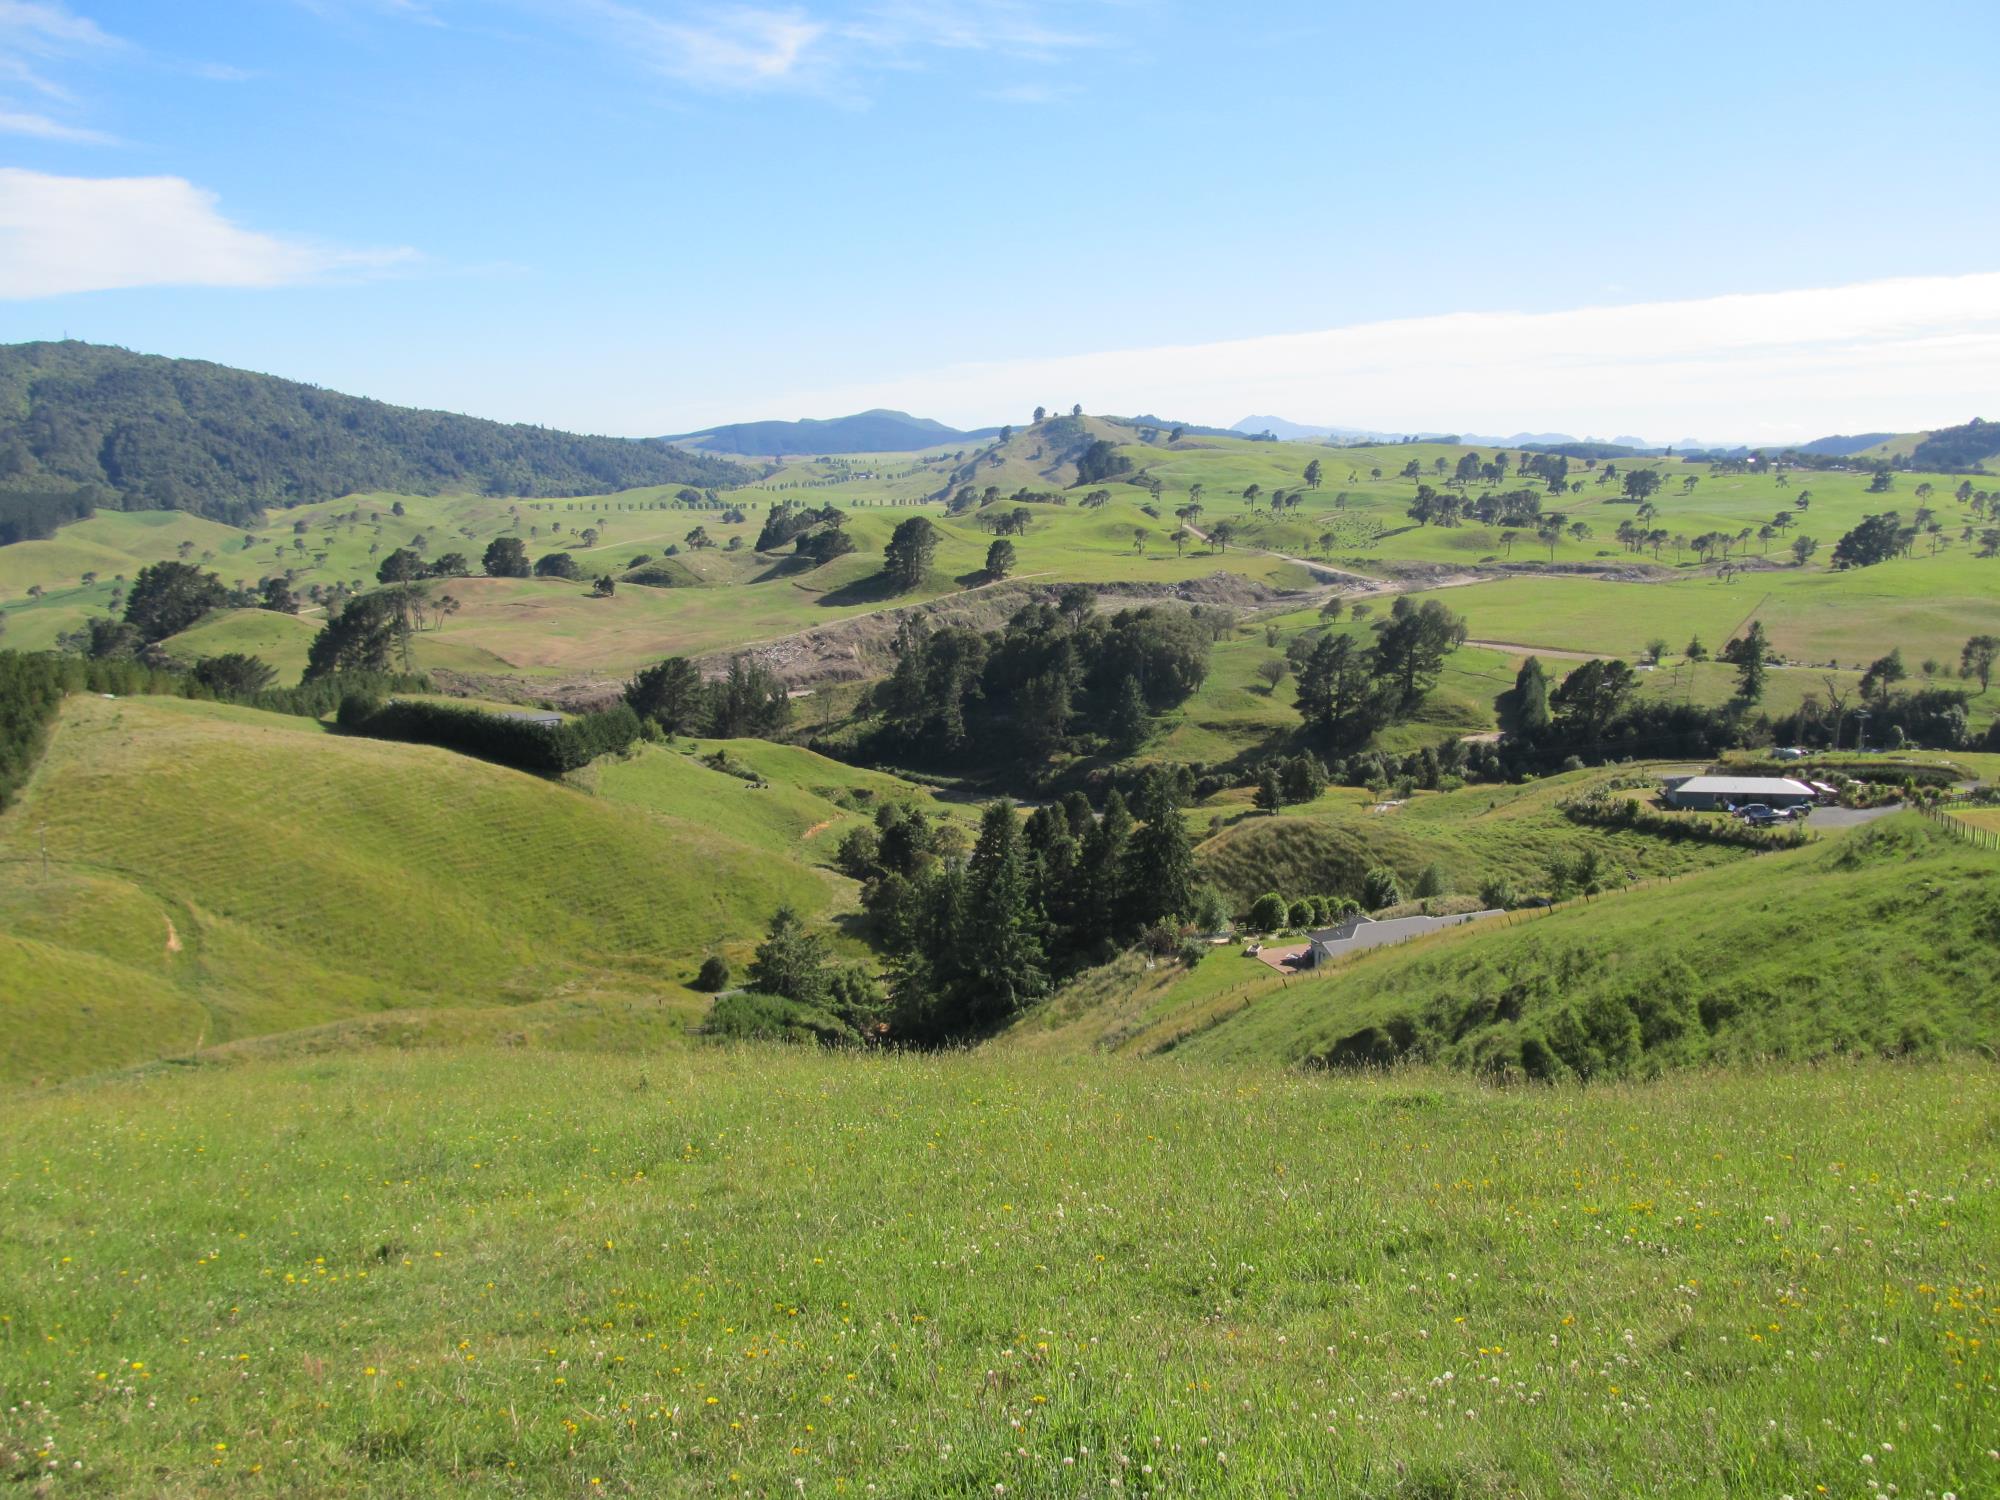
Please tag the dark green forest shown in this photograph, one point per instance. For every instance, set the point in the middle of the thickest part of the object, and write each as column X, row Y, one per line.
column 1955, row 449
column 140, row 432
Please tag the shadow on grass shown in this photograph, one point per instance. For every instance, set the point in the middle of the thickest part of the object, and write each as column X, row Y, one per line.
column 874, row 589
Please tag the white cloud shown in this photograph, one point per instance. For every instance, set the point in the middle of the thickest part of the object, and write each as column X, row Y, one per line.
column 735, row 48
column 87, row 234
column 1759, row 367
column 48, row 28
column 32, row 37
column 749, row 48
column 15, row 122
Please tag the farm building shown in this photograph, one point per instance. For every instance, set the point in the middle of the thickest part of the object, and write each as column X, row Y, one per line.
column 1355, row 934
column 537, row 716
column 1719, row 793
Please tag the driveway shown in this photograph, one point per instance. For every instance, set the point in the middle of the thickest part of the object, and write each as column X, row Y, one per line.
column 1827, row 819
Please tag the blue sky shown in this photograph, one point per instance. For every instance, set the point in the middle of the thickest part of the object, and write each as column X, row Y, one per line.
column 646, row 215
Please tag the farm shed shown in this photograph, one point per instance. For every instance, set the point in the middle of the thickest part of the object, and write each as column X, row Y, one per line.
column 1717, row 793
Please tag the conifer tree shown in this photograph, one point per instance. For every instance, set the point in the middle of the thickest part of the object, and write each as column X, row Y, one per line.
column 1005, row 965
column 1270, row 796
column 1159, row 864
column 1128, row 716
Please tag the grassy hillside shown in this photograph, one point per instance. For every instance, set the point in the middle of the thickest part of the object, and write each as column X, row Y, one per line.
column 1879, row 940
column 279, row 639
column 764, row 1272
column 1473, row 834
column 218, row 874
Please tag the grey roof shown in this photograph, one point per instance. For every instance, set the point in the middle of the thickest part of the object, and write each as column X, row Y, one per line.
column 1745, row 786
column 1338, row 941
column 1340, row 931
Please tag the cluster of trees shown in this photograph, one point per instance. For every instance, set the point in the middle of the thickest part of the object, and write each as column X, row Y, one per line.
column 1057, row 677
column 1099, row 462
column 747, row 701
column 787, row 520
column 973, row 938
column 1348, row 690
column 507, row 557
column 407, row 565
column 153, row 433
column 369, row 634
column 165, row 598
column 549, row 749
column 1876, row 540
column 907, row 558
column 1271, row 912
column 1595, row 713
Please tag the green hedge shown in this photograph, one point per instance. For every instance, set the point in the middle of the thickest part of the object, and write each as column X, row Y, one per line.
column 1626, row 812
column 521, row 743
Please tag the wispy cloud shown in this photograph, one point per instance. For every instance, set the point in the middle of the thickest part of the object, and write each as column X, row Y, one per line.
column 750, row 48
column 1760, row 367
column 61, row 235
column 409, row 10
column 41, row 127
column 739, row 47
column 35, row 37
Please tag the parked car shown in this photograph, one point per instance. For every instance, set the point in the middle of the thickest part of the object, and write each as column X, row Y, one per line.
column 1756, row 814
column 1789, row 753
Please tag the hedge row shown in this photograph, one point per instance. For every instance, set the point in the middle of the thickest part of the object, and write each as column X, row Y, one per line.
column 521, row 743
column 1626, row 812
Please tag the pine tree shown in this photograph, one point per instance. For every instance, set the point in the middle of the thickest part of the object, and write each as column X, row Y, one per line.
column 1099, row 883
column 1270, row 796
column 1531, row 700
column 1159, row 864
column 1005, row 965
column 1128, row 716
column 1750, row 667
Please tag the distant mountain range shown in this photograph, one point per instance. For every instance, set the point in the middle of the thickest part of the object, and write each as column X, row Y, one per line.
column 89, row 424
column 1306, row 432
column 877, row 431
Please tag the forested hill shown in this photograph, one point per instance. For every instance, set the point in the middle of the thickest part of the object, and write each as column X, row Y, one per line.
column 877, row 431
column 1957, row 449
column 182, row 434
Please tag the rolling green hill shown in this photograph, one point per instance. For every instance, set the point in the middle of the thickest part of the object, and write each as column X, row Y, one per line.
column 178, row 434
column 1881, row 940
column 216, row 874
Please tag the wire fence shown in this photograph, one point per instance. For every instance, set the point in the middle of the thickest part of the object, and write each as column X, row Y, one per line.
column 1966, row 833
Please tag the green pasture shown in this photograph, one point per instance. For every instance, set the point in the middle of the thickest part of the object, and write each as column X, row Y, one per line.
column 774, row 1272
column 240, row 874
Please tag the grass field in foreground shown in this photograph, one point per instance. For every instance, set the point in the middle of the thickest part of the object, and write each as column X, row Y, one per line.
column 781, row 1273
